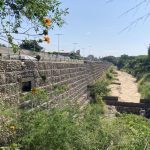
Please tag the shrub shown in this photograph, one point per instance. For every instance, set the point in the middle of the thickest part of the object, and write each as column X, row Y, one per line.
column 144, row 86
column 145, row 90
column 58, row 89
column 69, row 128
column 36, row 97
column 99, row 88
column 145, row 78
column 130, row 132
column 109, row 76
column 63, row 129
column 75, row 129
column 8, row 124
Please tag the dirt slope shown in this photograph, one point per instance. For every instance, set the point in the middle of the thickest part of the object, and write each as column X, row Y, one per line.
column 127, row 91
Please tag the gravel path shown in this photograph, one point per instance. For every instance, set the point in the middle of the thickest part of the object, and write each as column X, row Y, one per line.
column 127, row 91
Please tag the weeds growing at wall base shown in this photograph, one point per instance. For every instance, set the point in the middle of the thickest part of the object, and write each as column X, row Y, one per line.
column 72, row 128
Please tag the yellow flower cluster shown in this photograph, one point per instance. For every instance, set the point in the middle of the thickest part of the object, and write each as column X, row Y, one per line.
column 33, row 90
column 13, row 127
column 47, row 39
column 47, row 23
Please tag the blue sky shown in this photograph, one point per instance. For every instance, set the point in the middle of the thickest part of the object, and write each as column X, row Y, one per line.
column 96, row 26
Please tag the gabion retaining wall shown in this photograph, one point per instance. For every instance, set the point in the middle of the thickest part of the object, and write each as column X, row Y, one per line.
column 77, row 76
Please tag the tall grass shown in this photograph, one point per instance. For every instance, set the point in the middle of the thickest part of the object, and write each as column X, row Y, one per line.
column 144, row 86
column 71, row 129
column 99, row 88
column 62, row 129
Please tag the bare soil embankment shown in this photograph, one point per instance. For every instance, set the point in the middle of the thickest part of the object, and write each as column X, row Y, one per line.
column 125, row 87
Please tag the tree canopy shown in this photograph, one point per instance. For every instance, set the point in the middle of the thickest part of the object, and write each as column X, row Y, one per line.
column 31, row 45
column 149, row 51
column 111, row 59
column 29, row 18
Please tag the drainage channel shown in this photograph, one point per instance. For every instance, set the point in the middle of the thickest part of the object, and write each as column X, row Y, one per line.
column 142, row 108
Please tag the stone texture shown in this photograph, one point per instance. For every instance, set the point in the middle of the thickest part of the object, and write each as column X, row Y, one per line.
column 76, row 76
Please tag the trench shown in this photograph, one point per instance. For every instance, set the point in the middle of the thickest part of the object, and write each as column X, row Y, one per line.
column 124, row 96
column 125, row 87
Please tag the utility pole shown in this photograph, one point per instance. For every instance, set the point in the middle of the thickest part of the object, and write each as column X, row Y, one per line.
column 58, row 38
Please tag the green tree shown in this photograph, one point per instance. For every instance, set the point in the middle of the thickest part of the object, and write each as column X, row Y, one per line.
column 26, row 18
column 122, row 61
column 31, row 45
column 91, row 57
column 74, row 55
column 149, row 51
column 111, row 59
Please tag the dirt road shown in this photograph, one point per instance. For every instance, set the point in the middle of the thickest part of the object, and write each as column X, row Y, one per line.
column 127, row 91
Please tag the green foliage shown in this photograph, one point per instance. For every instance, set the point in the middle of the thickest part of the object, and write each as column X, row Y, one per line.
column 99, row 103
column 69, row 128
column 74, row 55
column 135, row 65
column 145, row 90
column 144, row 86
column 130, row 132
column 109, row 76
column 10, row 147
column 31, row 45
column 73, row 128
column 36, row 96
column 138, row 66
column 91, row 57
column 149, row 51
column 145, row 78
column 111, row 59
column 111, row 70
column 122, row 60
column 58, row 89
column 52, row 128
column 25, row 17
column 100, row 88
column 8, row 116
column 62, row 129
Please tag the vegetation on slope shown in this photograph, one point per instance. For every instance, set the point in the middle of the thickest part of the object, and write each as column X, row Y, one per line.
column 138, row 66
column 100, row 87
column 144, row 86
column 72, row 128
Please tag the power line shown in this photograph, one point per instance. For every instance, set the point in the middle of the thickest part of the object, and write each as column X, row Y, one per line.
column 58, row 38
